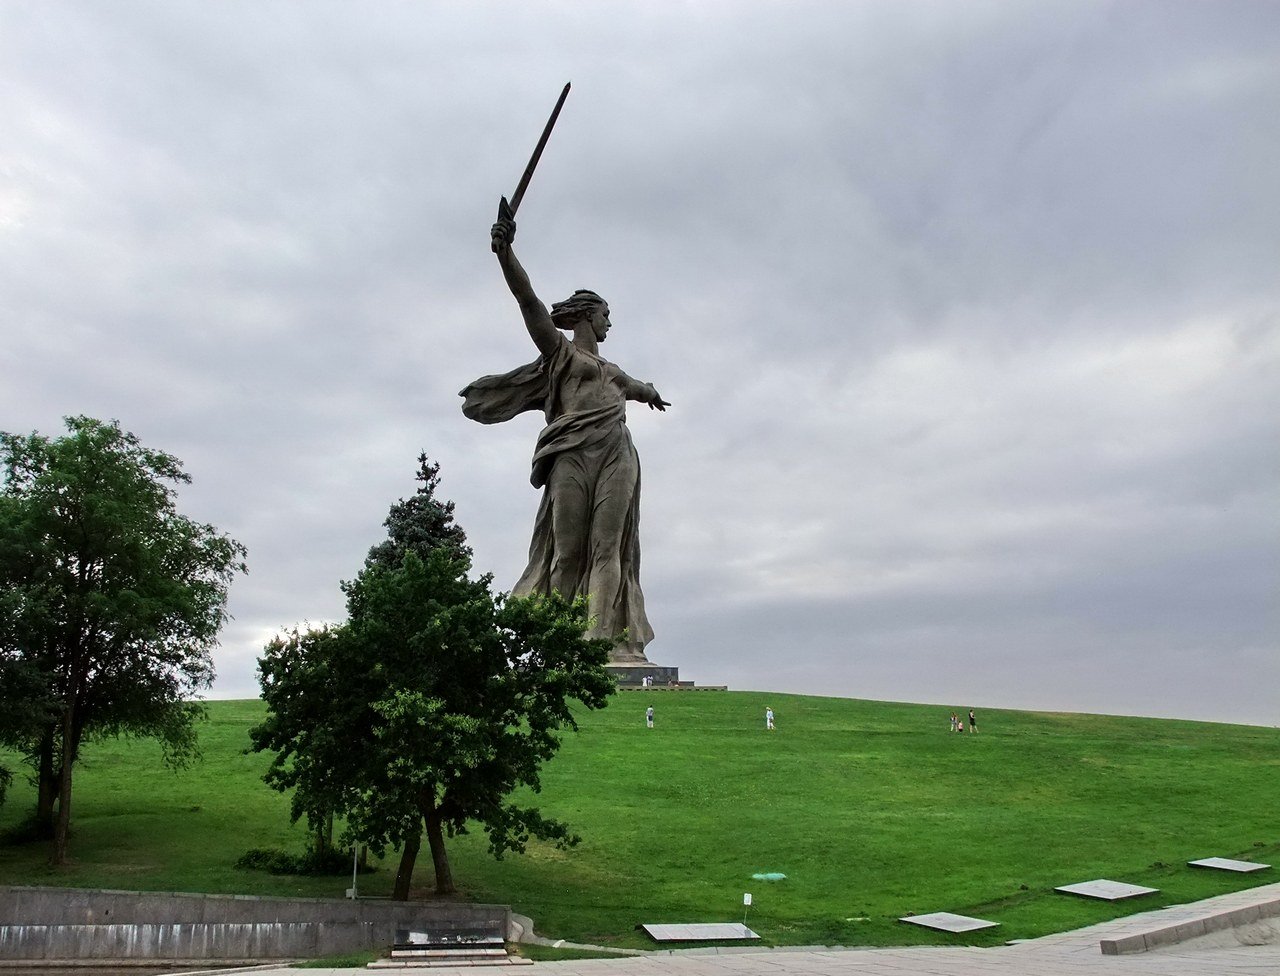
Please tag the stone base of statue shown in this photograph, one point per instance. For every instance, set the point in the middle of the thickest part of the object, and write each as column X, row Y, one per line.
column 633, row 675
column 644, row 676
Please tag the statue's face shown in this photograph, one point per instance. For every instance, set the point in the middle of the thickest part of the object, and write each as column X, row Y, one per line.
column 600, row 323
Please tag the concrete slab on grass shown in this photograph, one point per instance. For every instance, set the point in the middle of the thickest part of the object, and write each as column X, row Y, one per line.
column 699, row 932
column 1106, row 890
column 949, row 922
column 1227, row 864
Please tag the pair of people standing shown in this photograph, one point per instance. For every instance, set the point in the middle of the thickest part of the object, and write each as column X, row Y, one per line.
column 768, row 718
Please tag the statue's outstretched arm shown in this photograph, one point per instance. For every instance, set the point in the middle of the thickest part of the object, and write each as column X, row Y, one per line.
column 643, row 392
column 536, row 317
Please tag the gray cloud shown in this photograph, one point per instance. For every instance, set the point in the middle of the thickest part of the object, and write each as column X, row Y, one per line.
column 968, row 313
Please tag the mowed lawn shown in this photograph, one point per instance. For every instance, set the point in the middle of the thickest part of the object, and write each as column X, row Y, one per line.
column 872, row 810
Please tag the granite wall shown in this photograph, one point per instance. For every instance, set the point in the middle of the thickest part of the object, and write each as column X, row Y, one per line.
column 61, row 924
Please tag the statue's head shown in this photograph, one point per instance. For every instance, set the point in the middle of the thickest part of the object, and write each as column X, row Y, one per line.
column 582, row 305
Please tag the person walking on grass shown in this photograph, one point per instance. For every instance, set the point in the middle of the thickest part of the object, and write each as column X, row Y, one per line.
column 973, row 721
column 648, row 717
column 768, row 718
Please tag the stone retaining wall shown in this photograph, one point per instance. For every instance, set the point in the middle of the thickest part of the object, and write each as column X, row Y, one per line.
column 62, row 924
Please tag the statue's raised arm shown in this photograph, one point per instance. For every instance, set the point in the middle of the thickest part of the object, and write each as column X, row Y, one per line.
column 536, row 317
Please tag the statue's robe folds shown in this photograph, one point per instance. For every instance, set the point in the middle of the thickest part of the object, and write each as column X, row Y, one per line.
column 587, row 454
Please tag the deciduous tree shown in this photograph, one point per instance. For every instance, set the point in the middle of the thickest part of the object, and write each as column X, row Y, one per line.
column 434, row 703
column 110, row 601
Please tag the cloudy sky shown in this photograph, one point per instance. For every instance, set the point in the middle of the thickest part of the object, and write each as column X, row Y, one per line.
column 969, row 313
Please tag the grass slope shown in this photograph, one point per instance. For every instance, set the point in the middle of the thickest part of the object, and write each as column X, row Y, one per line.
column 872, row 810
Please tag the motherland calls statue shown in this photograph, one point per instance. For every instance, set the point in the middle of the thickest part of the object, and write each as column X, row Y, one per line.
column 586, row 536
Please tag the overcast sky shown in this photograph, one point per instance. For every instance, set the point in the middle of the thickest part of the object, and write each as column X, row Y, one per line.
column 969, row 313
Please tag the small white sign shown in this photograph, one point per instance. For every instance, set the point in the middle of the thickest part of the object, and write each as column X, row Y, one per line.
column 746, row 898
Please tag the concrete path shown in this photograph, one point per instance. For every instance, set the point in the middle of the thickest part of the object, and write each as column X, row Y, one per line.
column 1199, row 951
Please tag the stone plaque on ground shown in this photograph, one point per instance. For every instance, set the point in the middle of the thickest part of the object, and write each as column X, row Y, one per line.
column 1106, row 890
column 949, row 922
column 699, row 932
column 1227, row 864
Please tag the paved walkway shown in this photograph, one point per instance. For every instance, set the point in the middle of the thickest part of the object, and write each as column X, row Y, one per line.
column 1075, row 953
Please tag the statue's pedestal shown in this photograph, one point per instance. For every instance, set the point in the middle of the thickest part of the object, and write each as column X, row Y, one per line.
column 632, row 675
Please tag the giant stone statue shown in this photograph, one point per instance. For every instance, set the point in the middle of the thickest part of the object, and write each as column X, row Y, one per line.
column 586, row 537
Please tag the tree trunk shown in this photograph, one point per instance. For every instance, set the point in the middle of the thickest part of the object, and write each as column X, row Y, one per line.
column 62, row 826
column 46, row 785
column 404, row 873
column 322, row 842
column 439, row 856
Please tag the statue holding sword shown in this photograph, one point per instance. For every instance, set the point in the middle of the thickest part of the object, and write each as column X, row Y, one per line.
column 586, row 534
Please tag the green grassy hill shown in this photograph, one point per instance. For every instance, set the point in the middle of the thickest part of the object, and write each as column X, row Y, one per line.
column 871, row 809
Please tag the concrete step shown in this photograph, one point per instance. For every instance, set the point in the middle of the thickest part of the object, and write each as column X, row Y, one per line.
column 503, row 960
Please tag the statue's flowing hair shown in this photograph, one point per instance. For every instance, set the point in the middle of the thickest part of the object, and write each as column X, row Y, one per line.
column 566, row 313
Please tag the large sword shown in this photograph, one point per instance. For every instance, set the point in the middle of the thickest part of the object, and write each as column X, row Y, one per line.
column 507, row 211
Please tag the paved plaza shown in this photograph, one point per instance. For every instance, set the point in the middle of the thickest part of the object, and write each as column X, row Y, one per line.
column 1201, row 952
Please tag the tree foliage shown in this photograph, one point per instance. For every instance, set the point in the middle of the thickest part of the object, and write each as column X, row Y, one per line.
column 433, row 703
column 110, row 602
column 421, row 523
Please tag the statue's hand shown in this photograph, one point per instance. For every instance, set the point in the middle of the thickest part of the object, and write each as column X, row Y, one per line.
column 657, row 403
column 504, row 231
column 502, row 234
